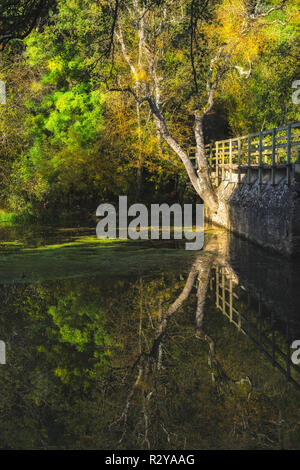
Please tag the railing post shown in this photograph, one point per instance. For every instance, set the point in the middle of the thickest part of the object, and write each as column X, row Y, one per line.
column 260, row 323
column 223, row 161
column 217, row 286
column 230, row 160
column 288, row 155
column 223, row 292
column 239, row 319
column 273, row 155
column 249, row 161
column 260, row 161
column 230, row 299
column 210, row 158
column 217, row 163
column 210, row 154
column 239, row 161
column 273, row 340
column 248, row 314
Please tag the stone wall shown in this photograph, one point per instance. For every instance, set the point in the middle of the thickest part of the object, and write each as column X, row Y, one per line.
column 267, row 214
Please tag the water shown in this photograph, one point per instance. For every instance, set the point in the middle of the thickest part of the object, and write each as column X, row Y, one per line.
column 146, row 346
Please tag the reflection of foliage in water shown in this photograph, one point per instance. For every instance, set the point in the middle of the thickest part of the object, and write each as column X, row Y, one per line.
column 77, row 347
column 80, row 323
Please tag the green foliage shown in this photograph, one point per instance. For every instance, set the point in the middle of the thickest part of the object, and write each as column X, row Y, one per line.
column 74, row 328
column 64, row 124
column 70, row 143
column 264, row 99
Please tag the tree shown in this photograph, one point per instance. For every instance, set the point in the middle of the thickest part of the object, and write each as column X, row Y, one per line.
column 264, row 99
column 225, row 33
column 179, row 62
column 19, row 17
column 57, row 120
column 80, row 143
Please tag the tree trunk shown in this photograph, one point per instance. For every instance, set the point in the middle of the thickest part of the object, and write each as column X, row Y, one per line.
column 200, row 180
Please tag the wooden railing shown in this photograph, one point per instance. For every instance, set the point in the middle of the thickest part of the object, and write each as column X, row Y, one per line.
column 251, row 317
column 275, row 148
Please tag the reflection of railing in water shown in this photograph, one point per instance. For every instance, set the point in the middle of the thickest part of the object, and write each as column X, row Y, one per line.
column 251, row 317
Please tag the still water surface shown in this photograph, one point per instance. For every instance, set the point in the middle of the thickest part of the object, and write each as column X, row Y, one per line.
column 142, row 345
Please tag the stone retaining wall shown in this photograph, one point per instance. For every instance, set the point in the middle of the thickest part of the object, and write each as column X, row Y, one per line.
column 267, row 214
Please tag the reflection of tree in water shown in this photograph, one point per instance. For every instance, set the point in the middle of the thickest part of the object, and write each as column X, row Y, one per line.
column 148, row 383
column 116, row 363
